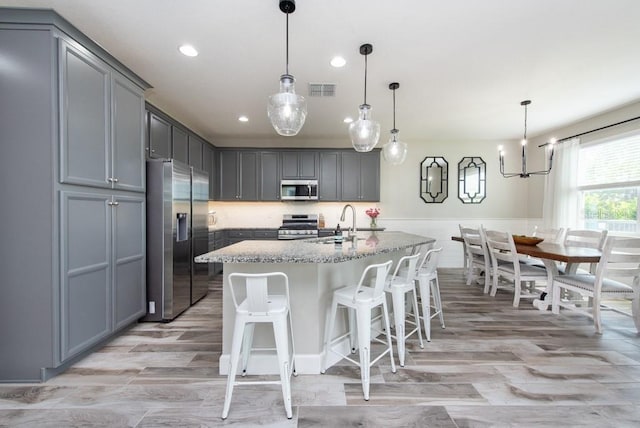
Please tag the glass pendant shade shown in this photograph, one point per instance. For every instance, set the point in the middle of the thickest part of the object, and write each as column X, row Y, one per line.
column 287, row 110
column 394, row 152
column 364, row 132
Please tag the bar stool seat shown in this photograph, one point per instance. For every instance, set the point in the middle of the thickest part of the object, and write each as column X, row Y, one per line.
column 429, row 287
column 261, row 307
column 362, row 300
column 401, row 283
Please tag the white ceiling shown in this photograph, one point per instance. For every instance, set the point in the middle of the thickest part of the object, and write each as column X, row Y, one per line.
column 463, row 65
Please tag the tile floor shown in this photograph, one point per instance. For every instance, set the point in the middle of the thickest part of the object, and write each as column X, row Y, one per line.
column 493, row 366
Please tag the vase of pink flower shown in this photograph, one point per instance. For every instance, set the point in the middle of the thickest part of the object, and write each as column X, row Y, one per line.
column 373, row 214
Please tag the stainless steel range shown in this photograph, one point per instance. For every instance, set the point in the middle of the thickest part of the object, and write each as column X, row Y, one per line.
column 298, row 226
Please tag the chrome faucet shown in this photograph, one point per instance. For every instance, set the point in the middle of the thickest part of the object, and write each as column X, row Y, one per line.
column 352, row 231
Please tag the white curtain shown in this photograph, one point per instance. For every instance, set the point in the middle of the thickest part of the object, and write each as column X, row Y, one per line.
column 560, row 205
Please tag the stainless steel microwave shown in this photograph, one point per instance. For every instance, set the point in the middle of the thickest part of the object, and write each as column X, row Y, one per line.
column 299, row 190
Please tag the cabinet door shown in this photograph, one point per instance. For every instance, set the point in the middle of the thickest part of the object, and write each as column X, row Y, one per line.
column 84, row 118
column 329, row 177
column 159, row 137
column 248, row 176
column 370, row 176
column 209, row 166
column 129, row 284
column 127, row 146
column 229, row 178
column 195, row 152
column 180, row 145
column 308, row 165
column 350, row 172
column 85, row 260
column 269, row 176
column 299, row 165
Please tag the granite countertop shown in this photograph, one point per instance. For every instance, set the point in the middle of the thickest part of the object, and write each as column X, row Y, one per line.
column 317, row 250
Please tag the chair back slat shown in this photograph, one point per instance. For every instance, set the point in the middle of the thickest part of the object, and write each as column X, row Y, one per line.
column 620, row 260
column 256, row 287
column 406, row 269
column 429, row 262
column 378, row 273
column 554, row 236
column 585, row 238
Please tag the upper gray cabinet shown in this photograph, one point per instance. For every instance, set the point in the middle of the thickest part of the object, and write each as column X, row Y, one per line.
column 84, row 117
column 238, row 177
column 361, row 176
column 299, row 164
column 180, row 144
column 329, row 180
column 209, row 165
column 195, row 151
column 101, row 123
column 269, row 179
column 159, row 137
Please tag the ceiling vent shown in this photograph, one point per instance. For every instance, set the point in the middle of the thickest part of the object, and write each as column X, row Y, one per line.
column 322, row 89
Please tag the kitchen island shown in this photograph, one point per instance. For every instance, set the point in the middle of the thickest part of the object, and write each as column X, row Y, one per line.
column 315, row 268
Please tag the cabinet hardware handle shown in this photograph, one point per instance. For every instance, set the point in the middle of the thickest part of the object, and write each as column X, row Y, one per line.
column 113, row 180
column 114, row 203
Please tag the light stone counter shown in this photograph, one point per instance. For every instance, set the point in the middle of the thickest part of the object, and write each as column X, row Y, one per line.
column 317, row 250
column 314, row 270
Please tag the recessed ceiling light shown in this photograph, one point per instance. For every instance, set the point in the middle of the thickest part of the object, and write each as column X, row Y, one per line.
column 188, row 50
column 347, row 120
column 338, row 61
column 243, row 119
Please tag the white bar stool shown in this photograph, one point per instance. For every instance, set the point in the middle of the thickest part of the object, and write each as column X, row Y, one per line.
column 399, row 284
column 429, row 287
column 361, row 299
column 261, row 307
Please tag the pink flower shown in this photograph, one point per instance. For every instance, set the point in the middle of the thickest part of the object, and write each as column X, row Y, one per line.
column 373, row 212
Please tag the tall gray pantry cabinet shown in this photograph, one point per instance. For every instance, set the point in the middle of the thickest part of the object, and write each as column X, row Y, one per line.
column 73, row 202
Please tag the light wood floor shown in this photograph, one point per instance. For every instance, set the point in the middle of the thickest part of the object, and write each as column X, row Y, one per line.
column 493, row 365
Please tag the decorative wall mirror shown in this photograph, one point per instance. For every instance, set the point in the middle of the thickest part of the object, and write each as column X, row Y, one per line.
column 434, row 180
column 472, row 180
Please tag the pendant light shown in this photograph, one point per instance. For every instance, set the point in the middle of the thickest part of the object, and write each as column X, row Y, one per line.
column 394, row 151
column 524, row 173
column 364, row 132
column 287, row 110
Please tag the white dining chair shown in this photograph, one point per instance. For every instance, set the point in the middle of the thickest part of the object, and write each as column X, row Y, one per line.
column 586, row 239
column 478, row 261
column 506, row 265
column 617, row 276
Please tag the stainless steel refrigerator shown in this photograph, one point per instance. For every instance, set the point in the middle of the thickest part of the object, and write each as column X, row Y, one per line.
column 176, row 224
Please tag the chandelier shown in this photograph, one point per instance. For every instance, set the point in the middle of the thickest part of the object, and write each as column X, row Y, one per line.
column 524, row 173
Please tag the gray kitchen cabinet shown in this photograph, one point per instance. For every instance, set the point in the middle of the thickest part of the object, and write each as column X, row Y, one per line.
column 127, row 107
column 102, row 266
column 180, row 144
column 195, row 151
column 238, row 175
column 209, row 165
column 101, row 121
column 361, row 176
column 84, row 123
column 159, row 137
column 299, row 164
column 84, row 129
column 329, row 180
column 269, row 179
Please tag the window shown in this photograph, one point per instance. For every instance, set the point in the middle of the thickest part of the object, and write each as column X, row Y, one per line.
column 609, row 184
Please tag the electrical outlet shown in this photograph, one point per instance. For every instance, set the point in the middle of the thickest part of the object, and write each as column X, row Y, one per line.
column 152, row 307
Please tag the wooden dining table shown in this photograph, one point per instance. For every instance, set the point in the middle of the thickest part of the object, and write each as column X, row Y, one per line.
column 550, row 253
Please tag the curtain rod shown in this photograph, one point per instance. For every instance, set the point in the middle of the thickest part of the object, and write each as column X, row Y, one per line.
column 562, row 140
